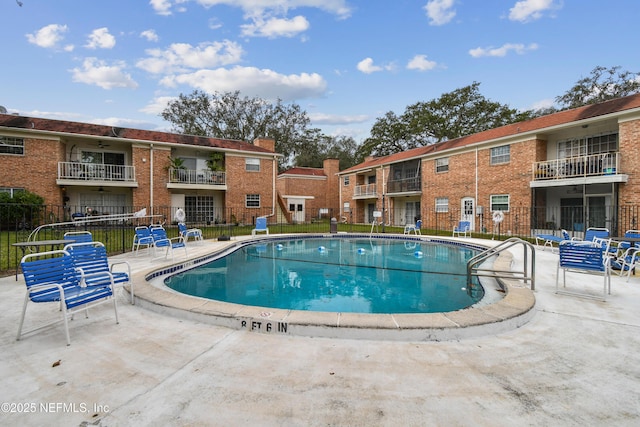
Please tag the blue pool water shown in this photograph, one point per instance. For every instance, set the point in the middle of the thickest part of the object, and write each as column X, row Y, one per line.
column 338, row 275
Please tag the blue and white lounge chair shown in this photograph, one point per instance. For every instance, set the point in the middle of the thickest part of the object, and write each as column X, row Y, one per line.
column 550, row 239
column 261, row 226
column 413, row 228
column 583, row 257
column 91, row 258
column 78, row 236
column 161, row 240
column 142, row 237
column 185, row 232
column 462, row 229
column 51, row 277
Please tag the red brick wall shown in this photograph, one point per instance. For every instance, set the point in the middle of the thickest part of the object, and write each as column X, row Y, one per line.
column 241, row 182
column 629, row 147
column 36, row 171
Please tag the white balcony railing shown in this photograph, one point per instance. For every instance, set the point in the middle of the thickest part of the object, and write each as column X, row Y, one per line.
column 202, row 176
column 95, row 172
column 365, row 190
column 592, row 165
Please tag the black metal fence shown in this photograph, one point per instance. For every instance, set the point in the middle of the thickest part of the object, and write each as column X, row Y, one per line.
column 19, row 223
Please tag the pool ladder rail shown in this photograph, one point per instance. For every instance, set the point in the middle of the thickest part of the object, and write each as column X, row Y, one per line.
column 527, row 275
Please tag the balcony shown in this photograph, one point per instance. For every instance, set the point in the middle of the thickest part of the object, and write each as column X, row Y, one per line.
column 406, row 185
column 189, row 177
column 94, row 173
column 578, row 167
column 366, row 191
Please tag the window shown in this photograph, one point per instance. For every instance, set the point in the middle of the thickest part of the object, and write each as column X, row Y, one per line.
column 600, row 144
column 100, row 158
column 500, row 202
column 252, row 201
column 500, row 155
column 252, row 165
column 12, row 191
column 442, row 165
column 442, row 204
column 346, row 180
column 371, row 179
column 11, row 145
column 200, row 209
column 292, row 207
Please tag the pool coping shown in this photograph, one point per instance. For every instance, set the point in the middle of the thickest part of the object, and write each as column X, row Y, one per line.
column 510, row 312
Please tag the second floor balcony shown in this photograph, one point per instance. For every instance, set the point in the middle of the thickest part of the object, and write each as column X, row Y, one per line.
column 405, row 185
column 196, row 177
column 365, row 191
column 95, row 172
column 574, row 167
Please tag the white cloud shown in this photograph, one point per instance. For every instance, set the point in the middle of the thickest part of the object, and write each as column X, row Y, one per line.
column 421, row 63
column 251, row 81
column 96, row 72
column 544, row 103
column 48, row 36
column 366, row 66
column 259, row 7
column 503, row 50
column 100, row 38
column 440, row 12
column 530, row 10
column 162, row 7
column 180, row 57
column 275, row 27
column 157, row 104
column 150, row 35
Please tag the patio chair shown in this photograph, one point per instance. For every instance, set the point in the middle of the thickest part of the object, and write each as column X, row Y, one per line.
column 51, row 277
column 593, row 232
column 627, row 262
column 550, row 239
column 462, row 229
column 185, row 232
column 413, row 228
column 261, row 226
column 142, row 237
column 91, row 258
column 162, row 241
column 583, row 257
column 78, row 236
column 635, row 234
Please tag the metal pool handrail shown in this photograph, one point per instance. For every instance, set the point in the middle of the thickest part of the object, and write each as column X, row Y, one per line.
column 524, row 275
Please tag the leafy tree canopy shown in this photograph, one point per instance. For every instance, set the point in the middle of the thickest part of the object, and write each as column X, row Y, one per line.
column 461, row 112
column 603, row 84
column 316, row 147
column 230, row 116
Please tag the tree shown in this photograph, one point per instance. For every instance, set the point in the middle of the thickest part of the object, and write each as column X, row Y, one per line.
column 601, row 85
column 230, row 116
column 316, row 147
column 461, row 112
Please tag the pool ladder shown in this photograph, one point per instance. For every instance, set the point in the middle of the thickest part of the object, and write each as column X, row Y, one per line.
column 527, row 275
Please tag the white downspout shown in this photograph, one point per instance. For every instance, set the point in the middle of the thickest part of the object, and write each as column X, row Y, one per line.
column 151, row 178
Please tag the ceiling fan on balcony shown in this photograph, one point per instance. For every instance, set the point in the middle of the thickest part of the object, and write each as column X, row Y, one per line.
column 101, row 144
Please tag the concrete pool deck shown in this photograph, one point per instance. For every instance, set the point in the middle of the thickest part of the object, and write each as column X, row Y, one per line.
column 575, row 362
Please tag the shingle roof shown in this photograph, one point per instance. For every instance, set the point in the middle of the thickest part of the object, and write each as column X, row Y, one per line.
column 537, row 124
column 303, row 171
column 33, row 123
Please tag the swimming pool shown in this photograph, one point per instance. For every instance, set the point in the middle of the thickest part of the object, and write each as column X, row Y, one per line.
column 348, row 275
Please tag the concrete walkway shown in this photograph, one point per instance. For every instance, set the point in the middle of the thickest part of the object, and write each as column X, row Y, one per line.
column 577, row 362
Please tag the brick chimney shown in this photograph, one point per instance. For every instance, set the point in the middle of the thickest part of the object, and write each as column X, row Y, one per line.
column 266, row 143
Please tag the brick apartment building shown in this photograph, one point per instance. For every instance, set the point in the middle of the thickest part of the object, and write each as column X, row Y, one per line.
column 104, row 169
column 310, row 193
column 571, row 169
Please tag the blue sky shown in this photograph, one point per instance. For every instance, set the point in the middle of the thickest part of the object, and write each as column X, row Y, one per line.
column 345, row 62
